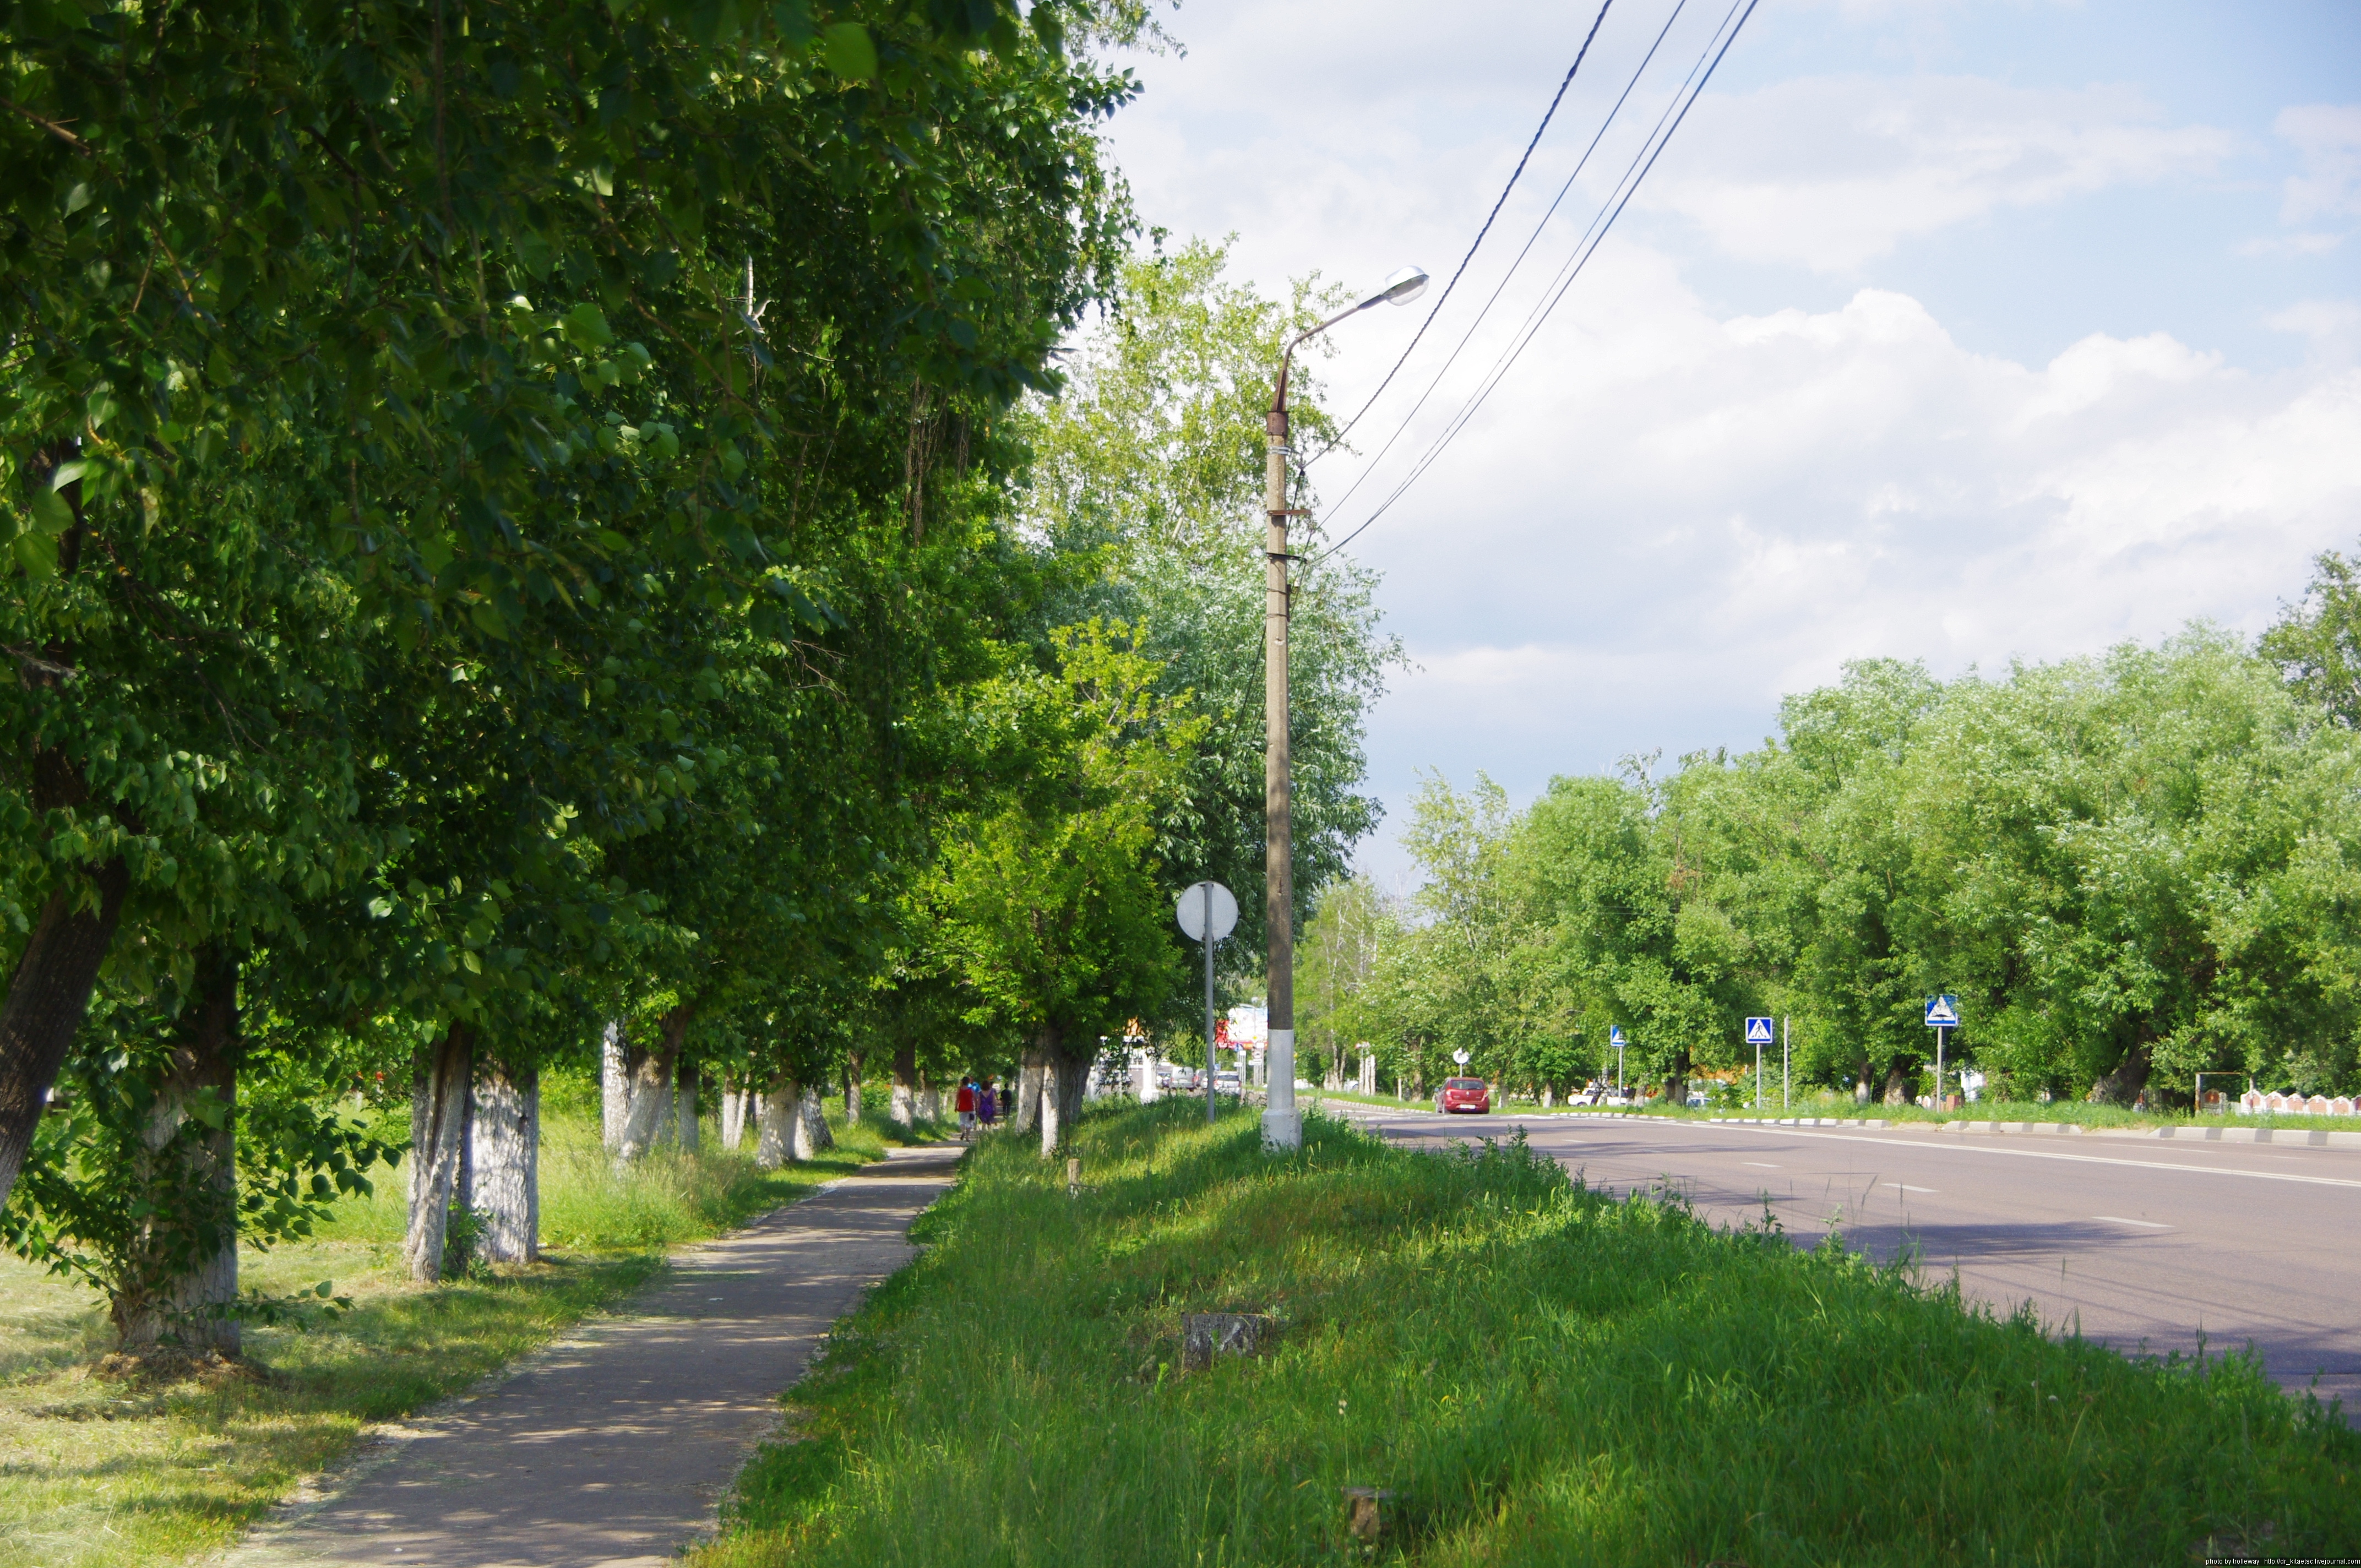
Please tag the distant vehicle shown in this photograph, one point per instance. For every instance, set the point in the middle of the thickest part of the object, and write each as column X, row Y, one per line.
column 1469, row 1095
column 1227, row 1080
column 1619, row 1098
column 1699, row 1097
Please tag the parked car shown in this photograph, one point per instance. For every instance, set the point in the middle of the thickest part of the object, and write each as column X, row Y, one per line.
column 1619, row 1098
column 1470, row 1094
column 1227, row 1080
column 1700, row 1097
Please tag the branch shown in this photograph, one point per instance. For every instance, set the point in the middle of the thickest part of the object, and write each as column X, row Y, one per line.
column 51, row 126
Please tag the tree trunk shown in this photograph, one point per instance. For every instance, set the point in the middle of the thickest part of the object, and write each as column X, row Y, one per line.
column 903, row 1107
column 1030, row 1071
column 438, row 1119
column 733, row 1112
column 615, row 1065
column 1061, row 1095
column 1897, row 1081
column 180, row 1289
column 504, row 1162
column 930, row 1100
column 652, row 1085
column 852, row 1092
column 50, row 991
column 2122, row 1086
column 816, row 1118
column 1043, row 1063
column 685, row 1104
column 778, row 1114
column 803, row 1142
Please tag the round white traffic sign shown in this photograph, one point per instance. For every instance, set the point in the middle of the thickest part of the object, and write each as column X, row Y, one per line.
column 1459, row 1056
column 1197, row 901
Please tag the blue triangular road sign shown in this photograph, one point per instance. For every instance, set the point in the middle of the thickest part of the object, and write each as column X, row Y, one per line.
column 1614, row 1036
column 1942, row 1012
column 1758, row 1032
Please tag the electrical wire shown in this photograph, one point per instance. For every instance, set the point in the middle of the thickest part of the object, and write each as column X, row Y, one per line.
column 1465, row 338
column 1437, row 307
column 1585, row 249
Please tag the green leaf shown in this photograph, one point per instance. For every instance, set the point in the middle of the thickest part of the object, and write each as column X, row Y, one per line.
column 51, row 515
column 586, row 328
column 37, row 554
column 847, row 48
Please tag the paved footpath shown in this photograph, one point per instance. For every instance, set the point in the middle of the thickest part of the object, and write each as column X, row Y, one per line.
column 613, row 1449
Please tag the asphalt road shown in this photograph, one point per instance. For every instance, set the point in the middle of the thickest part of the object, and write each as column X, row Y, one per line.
column 2146, row 1245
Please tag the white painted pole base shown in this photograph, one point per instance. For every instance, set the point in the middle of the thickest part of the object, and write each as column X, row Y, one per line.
column 1282, row 1131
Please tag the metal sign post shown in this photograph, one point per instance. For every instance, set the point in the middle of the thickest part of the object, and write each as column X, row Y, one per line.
column 1615, row 1037
column 1208, row 913
column 1787, row 1064
column 1943, row 1016
column 1758, row 1034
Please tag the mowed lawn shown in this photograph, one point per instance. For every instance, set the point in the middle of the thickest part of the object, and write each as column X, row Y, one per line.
column 98, row 1469
column 1535, row 1374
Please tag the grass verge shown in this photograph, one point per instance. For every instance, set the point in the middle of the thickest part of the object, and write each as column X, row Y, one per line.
column 99, row 1469
column 1539, row 1375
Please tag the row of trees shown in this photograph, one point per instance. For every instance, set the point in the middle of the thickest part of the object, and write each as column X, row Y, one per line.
column 543, row 531
column 2129, row 869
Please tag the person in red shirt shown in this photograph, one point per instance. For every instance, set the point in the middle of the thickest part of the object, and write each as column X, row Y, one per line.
column 967, row 1107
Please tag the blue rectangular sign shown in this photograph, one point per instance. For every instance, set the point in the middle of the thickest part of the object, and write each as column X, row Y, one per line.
column 1942, row 1013
column 1758, row 1032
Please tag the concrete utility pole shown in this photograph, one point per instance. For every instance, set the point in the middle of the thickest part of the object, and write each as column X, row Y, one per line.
column 1282, row 1125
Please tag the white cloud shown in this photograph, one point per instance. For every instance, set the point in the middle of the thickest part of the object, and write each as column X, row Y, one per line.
column 1834, row 172
column 2303, row 243
column 2328, row 138
column 1691, row 516
column 2317, row 319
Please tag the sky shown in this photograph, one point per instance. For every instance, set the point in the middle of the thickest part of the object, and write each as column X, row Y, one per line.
column 1962, row 333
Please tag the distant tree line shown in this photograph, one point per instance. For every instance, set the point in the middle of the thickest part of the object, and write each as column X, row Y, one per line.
column 2129, row 870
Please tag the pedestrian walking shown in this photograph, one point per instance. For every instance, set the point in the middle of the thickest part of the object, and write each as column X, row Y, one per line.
column 987, row 1104
column 967, row 1107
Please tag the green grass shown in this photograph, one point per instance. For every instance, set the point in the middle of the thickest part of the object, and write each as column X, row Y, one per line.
column 98, row 1469
column 1541, row 1375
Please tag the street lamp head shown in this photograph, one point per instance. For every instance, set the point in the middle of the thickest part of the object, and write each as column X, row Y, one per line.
column 1403, row 287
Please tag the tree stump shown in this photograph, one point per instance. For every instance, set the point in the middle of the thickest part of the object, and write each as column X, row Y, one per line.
column 1204, row 1335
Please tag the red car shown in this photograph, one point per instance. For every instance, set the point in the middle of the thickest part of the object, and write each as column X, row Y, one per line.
column 1465, row 1094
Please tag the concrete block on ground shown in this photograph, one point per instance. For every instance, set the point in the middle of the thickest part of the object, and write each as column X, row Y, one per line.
column 1204, row 1335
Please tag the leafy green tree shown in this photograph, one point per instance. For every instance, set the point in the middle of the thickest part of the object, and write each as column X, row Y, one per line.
column 1049, row 898
column 1147, row 482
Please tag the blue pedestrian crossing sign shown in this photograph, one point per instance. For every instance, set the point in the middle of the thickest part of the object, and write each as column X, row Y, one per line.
column 1614, row 1036
column 1942, row 1013
column 1758, row 1032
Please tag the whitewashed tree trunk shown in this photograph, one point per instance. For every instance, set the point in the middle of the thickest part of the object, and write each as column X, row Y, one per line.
column 816, row 1119
column 652, row 1086
column 1549, row 1096
column 614, row 1085
column 779, row 1116
column 504, row 1162
column 903, row 1107
column 169, row 1296
column 1026, row 1114
column 439, row 1121
column 733, row 1113
column 685, row 1104
column 852, row 1095
column 930, row 1100
column 802, row 1142
column 1061, row 1098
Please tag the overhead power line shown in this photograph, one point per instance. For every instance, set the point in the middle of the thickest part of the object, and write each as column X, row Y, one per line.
column 1466, row 337
column 1585, row 249
column 1436, row 308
